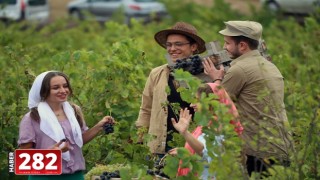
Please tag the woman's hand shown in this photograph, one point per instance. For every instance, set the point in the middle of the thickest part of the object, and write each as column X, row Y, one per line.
column 105, row 120
column 173, row 151
column 64, row 148
column 94, row 131
column 183, row 124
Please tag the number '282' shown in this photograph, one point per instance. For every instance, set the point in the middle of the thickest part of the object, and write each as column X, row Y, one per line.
column 38, row 162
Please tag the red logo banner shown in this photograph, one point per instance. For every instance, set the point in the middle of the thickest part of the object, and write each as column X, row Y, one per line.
column 38, row 162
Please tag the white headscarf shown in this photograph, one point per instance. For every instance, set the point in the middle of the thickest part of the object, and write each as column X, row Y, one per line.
column 49, row 123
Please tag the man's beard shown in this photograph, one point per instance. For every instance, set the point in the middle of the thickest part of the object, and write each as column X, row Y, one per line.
column 235, row 54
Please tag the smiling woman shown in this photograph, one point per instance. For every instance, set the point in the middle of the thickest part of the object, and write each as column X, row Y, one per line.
column 55, row 123
column 59, row 90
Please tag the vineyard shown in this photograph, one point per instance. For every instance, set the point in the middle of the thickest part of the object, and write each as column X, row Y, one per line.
column 108, row 65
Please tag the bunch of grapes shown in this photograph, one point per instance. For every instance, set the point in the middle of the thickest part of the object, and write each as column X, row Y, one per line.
column 108, row 175
column 158, row 172
column 108, row 128
column 191, row 64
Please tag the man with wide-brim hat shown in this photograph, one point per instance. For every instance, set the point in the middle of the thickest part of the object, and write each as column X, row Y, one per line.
column 185, row 29
column 180, row 41
column 257, row 88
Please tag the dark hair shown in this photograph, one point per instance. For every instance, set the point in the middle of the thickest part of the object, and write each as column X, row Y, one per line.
column 191, row 40
column 205, row 88
column 253, row 44
column 45, row 92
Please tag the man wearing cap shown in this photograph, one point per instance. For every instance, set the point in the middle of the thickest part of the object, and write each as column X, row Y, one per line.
column 257, row 88
column 180, row 41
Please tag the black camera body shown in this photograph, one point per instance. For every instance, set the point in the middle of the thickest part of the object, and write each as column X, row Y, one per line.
column 193, row 64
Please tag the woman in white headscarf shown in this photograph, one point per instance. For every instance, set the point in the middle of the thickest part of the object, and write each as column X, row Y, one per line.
column 51, row 119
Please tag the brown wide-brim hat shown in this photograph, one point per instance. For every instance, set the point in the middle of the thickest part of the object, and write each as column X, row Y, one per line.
column 184, row 29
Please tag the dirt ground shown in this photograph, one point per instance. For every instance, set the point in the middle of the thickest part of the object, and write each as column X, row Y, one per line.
column 59, row 7
column 241, row 5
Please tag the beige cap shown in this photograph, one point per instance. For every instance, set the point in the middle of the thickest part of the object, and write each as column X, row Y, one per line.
column 250, row 29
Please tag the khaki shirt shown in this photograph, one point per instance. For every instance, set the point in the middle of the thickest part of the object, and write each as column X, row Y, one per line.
column 257, row 88
column 153, row 114
column 153, row 110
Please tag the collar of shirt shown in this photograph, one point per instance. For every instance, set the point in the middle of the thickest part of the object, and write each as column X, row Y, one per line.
column 246, row 55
